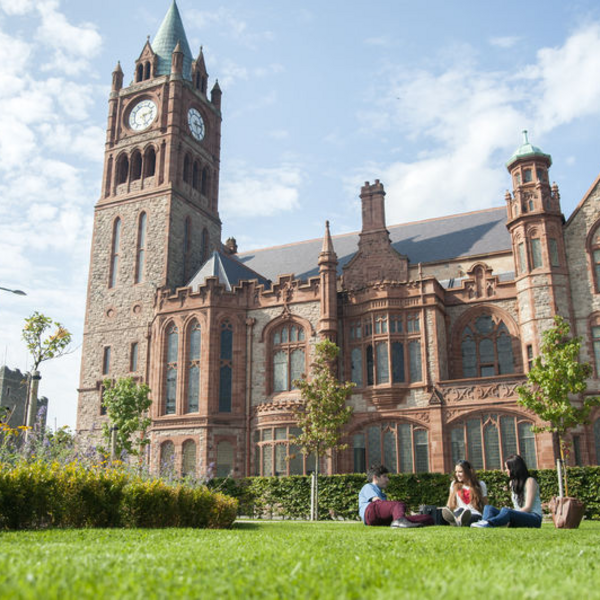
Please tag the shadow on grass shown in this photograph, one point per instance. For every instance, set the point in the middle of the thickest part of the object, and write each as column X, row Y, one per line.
column 245, row 525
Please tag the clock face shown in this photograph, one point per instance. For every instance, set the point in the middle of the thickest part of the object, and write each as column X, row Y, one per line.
column 196, row 124
column 142, row 115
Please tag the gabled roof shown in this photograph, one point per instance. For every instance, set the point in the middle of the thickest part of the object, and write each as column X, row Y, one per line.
column 170, row 33
column 432, row 240
column 228, row 270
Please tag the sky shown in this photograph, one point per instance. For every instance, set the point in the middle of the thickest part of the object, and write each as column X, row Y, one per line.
column 318, row 97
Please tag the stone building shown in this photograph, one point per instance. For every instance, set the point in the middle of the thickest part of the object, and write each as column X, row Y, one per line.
column 437, row 320
column 14, row 387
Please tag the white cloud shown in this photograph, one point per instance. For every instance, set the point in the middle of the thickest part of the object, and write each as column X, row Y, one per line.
column 260, row 192
column 228, row 22
column 506, row 41
column 468, row 120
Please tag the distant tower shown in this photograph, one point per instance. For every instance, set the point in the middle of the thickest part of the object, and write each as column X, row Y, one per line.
column 328, row 323
column 157, row 218
column 535, row 222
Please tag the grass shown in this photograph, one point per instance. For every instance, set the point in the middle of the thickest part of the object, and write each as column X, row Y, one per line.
column 302, row 560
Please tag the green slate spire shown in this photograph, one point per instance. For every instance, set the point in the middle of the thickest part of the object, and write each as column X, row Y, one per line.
column 170, row 33
column 527, row 150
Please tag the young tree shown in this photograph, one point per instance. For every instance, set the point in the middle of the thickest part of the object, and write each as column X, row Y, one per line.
column 555, row 376
column 322, row 413
column 126, row 403
column 41, row 349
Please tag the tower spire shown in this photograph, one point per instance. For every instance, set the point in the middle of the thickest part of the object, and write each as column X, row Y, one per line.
column 169, row 34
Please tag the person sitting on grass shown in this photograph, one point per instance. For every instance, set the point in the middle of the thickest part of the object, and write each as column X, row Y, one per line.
column 375, row 509
column 525, row 491
column 467, row 496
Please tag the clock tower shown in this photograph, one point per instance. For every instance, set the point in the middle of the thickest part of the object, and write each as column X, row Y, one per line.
column 157, row 219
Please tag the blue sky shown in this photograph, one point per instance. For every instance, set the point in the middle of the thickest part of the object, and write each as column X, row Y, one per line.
column 318, row 97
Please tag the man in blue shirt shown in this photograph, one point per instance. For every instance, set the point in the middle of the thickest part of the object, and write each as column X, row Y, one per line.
column 375, row 509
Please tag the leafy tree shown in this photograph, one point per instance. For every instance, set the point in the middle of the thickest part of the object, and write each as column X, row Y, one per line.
column 556, row 376
column 41, row 349
column 322, row 413
column 126, row 404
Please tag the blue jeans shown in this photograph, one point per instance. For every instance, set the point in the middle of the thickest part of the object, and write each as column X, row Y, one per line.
column 509, row 516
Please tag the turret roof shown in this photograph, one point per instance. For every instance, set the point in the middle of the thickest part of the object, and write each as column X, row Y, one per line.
column 527, row 150
column 170, row 33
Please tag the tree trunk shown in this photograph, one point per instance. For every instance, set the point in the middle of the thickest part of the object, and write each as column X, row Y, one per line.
column 314, row 492
column 34, row 382
column 561, row 469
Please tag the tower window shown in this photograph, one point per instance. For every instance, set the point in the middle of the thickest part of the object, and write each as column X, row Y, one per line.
column 141, row 249
column 149, row 162
column 147, row 71
column 139, row 73
column 133, row 358
column 196, row 176
column 187, row 168
column 527, row 175
column 136, row 166
column 553, row 246
column 122, row 169
column 114, row 259
column 106, row 361
column 204, row 185
column 536, row 253
column 521, row 254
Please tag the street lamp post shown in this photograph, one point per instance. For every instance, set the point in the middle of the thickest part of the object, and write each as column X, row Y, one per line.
column 18, row 292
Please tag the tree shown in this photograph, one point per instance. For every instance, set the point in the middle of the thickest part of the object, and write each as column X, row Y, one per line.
column 126, row 403
column 556, row 376
column 322, row 413
column 41, row 349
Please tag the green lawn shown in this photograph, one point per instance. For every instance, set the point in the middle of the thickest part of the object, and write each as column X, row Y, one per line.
column 302, row 560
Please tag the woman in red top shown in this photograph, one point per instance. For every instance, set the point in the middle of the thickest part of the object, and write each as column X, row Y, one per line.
column 467, row 496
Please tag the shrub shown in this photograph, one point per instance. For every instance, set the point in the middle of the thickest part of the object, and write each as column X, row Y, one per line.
column 41, row 494
column 289, row 497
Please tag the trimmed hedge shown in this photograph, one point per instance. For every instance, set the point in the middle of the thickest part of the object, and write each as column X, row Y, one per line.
column 37, row 495
column 289, row 497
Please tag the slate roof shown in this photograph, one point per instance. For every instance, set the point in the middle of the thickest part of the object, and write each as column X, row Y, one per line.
column 229, row 271
column 169, row 33
column 433, row 240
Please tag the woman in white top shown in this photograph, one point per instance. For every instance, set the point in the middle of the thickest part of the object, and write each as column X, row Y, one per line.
column 467, row 496
column 525, row 492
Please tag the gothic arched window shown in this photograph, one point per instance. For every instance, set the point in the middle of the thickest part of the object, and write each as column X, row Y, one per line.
column 224, row 459
column 402, row 447
column 196, row 175
column 225, row 366
column 147, row 71
column 149, row 162
column 486, row 347
column 487, row 440
column 204, row 184
column 141, row 248
column 289, row 355
column 139, row 73
column 114, row 253
column 187, row 169
column 172, row 351
column 122, row 169
column 204, row 248
column 193, row 369
column 188, row 459
column 136, row 165
column 167, row 459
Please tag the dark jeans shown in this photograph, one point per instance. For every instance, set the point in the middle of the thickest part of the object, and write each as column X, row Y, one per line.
column 474, row 516
column 383, row 512
column 511, row 517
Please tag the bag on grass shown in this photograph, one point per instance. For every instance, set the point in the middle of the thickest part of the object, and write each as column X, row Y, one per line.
column 566, row 512
column 434, row 512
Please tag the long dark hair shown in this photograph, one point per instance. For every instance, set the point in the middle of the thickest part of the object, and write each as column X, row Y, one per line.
column 472, row 481
column 519, row 474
